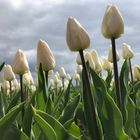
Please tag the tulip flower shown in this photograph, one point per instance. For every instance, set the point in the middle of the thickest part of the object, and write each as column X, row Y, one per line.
column 9, row 75
column 68, row 77
column 5, row 85
column 50, row 73
column 97, row 62
column 113, row 28
column 89, row 59
column 128, row 54
column 56, row 81
column 20, row 67
column 76, row 78
column 20, row 63
column 57, row 74
column 78, row 40
column 127, row 51
column 63, row 75
column 15, row 85
column 77, row 37
column 27, row 79
column 112, row 24
column 45, row 58
column 136, row 72
column 107, row 65
column 79, row 69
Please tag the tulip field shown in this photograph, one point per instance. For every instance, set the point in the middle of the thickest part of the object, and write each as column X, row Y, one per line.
column 98, row 102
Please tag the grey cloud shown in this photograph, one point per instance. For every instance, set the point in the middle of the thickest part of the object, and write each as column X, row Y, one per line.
column 23, row 27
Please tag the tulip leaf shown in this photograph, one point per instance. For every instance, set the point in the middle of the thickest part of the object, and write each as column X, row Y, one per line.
column 124, row 77
column 91, row 117
column 42, row 83
column 15, row 134
column 109, row 113
column 70, row 110
column 60, row 131
column 14, row 101
column 46, row 128
column 8, row 119
column 2, row 65
column 27, row 120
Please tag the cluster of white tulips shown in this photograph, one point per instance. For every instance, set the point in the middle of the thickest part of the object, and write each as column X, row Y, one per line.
column 87, row 98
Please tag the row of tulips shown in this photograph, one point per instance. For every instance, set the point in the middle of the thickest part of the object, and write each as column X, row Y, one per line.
column 94, row 107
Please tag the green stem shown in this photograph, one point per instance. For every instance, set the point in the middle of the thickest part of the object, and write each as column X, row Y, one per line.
column 63, row 82
column 46, row 75
column 131, row 74
column 10, row 83
column 92, row 113
column 22, row 93
column 115, row 66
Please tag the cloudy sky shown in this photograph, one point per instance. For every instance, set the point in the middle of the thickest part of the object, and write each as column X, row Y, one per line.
column 24, row 22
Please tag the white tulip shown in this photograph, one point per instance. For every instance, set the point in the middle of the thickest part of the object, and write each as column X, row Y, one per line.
column 50, row 73
column 68, row 77
column 77, row 37
column 15, row 85
column 56, row 79
column 76, row 76
column 110, row 57
column 45, row 56
column 52, row 83
column 112, row 24
column 97, row 62
column 127, row 51
column 8, row 73
column 20, row 64
column 107, row 65
column 89, row 59
column 5, row 85
column 136, row 72
column 66, row 84
column 62, row 73
column 79, row 69
column 59, row 85
column 57, row 74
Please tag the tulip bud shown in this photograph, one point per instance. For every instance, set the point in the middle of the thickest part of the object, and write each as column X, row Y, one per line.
column 28, row 79
column 89, row 59
column 52, row 82
column 50, row 73
column 5, row 85
column 136, row 72
column 8, row 73
column 20, row 64
column 127, row 51
column 76, row 77
column 45, row 56
column 77, row 37
column 107, row 65
column 59, row 85
column 110, row 57
column 112, row 24
column 56, row 79
column 79, row 69
column 15, row 85
column 97, row 62
column 68, row 77
column 66, row 84
column 57, row 74
column 62, row 73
